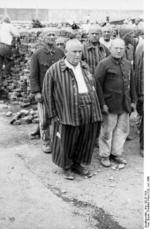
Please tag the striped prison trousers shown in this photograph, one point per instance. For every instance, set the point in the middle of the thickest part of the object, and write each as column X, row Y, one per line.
column 75, row 144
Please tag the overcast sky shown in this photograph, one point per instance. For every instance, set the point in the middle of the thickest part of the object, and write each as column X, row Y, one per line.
column 74, row 4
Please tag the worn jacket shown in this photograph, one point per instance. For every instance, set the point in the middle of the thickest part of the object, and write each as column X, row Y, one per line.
column 115, row 84
column 61, row 97
column 41, row 60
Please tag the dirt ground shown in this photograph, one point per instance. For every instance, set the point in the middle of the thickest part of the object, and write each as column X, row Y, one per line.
column 35, row 195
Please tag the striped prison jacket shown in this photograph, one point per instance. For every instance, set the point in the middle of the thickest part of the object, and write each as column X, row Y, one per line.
column 60, row 93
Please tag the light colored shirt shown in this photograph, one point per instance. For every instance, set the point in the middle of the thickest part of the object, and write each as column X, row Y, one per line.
column 82, row 87
column 106, row 43
column 7, row 32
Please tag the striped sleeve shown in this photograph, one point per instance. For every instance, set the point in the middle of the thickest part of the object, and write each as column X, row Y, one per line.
column 47, row 93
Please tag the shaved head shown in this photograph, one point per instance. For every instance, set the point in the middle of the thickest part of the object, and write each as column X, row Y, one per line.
column 94, row 33
column 74, row 51
column 117, row 41
column 117, row 48
column 94, row 28
column 72, row 44
column 106, row 28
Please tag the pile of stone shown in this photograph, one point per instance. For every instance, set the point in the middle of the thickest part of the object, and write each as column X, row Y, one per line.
column 16, row 81
column 24, row 117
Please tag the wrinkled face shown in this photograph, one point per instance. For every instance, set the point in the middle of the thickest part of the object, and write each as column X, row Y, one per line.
column 50, row 39
column 106, row 34
column 73, row 54
column 117, row 48
column 94, row 36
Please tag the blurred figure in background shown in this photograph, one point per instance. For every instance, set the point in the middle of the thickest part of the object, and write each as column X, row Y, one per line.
column 93, row 50
column 60, row 43
column 139, row 73
column 7, row 33
column 106, row 36
column 129, row 47
column 41, row 60
column 114, row 32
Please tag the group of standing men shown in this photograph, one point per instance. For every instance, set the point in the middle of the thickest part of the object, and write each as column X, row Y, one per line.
column 87, row 93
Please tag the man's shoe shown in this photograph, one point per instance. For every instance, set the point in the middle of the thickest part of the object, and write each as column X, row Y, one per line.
column 68, row 174
column 77, row 168
column 105, row 161
column 46, row 148
column 119, row 159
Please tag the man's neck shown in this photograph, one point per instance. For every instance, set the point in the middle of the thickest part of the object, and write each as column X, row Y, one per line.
column 69, row 63
column 50, row 46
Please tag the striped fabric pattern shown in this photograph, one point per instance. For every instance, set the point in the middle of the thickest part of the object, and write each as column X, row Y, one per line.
column 61, row 97
column 92, row 55
column 140, row 75
column 73, row 144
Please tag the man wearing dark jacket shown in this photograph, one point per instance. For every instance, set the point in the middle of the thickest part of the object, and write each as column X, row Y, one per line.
column 41, row 60
column 116, row 91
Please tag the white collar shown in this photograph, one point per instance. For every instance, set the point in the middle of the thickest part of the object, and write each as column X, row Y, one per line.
column 71, row 66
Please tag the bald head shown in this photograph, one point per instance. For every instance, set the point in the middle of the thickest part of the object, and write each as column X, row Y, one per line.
column 50, row 37
column 117, row 48
column 94, row 33
column 94, row 28
column 74, row 51
column 73, row 44
column 106, row 28
column 118, row 41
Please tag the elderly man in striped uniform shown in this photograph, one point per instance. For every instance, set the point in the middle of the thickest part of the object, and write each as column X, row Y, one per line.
column 93, row 50
column 71, row 100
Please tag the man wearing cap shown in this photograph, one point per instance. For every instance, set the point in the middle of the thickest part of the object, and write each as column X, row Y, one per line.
column 41, row 60
column 93, row 50
column 117, row 98
column 70, row 97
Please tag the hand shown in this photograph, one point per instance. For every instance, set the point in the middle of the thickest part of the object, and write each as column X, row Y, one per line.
column 133, row 107
column 38, row 97
column 105, row 109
